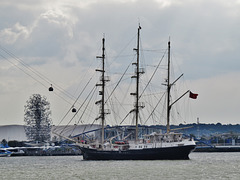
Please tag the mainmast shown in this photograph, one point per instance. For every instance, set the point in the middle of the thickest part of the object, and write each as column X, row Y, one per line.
column 168, row 91
column 137, row 76
column 103, row 80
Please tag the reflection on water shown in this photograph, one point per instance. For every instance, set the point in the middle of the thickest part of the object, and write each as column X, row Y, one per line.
column 200, row 166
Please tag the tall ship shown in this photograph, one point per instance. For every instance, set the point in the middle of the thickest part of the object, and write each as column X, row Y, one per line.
column 169, row 145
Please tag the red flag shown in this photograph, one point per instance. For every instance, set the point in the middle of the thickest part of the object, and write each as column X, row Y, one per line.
column 192, row 95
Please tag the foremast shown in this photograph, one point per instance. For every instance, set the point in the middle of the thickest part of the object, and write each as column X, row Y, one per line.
column 103, row 80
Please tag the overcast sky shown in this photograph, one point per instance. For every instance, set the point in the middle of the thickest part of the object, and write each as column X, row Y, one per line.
column 60, row 39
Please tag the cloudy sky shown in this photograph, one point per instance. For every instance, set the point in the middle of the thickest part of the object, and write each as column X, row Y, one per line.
column 55, row 42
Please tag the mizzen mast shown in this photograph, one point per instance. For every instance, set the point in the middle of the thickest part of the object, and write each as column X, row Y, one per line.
column 168, row 91
column 169, row 85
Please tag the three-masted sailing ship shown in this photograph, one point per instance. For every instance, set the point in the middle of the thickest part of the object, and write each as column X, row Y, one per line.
column 154, row 146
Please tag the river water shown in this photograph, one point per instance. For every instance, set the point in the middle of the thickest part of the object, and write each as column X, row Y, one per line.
column 200, row 166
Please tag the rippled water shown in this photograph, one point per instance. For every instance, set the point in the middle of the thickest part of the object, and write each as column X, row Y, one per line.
column 201, row 166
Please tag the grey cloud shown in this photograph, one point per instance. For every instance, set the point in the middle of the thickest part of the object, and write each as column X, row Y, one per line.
column 56, row 36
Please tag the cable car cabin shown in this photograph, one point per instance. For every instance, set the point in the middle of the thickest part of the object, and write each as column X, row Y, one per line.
column 50, row 88
column 74, row 110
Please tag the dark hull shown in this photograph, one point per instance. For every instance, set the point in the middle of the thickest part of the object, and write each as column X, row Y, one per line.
column 169, row 153
column 217, row 149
